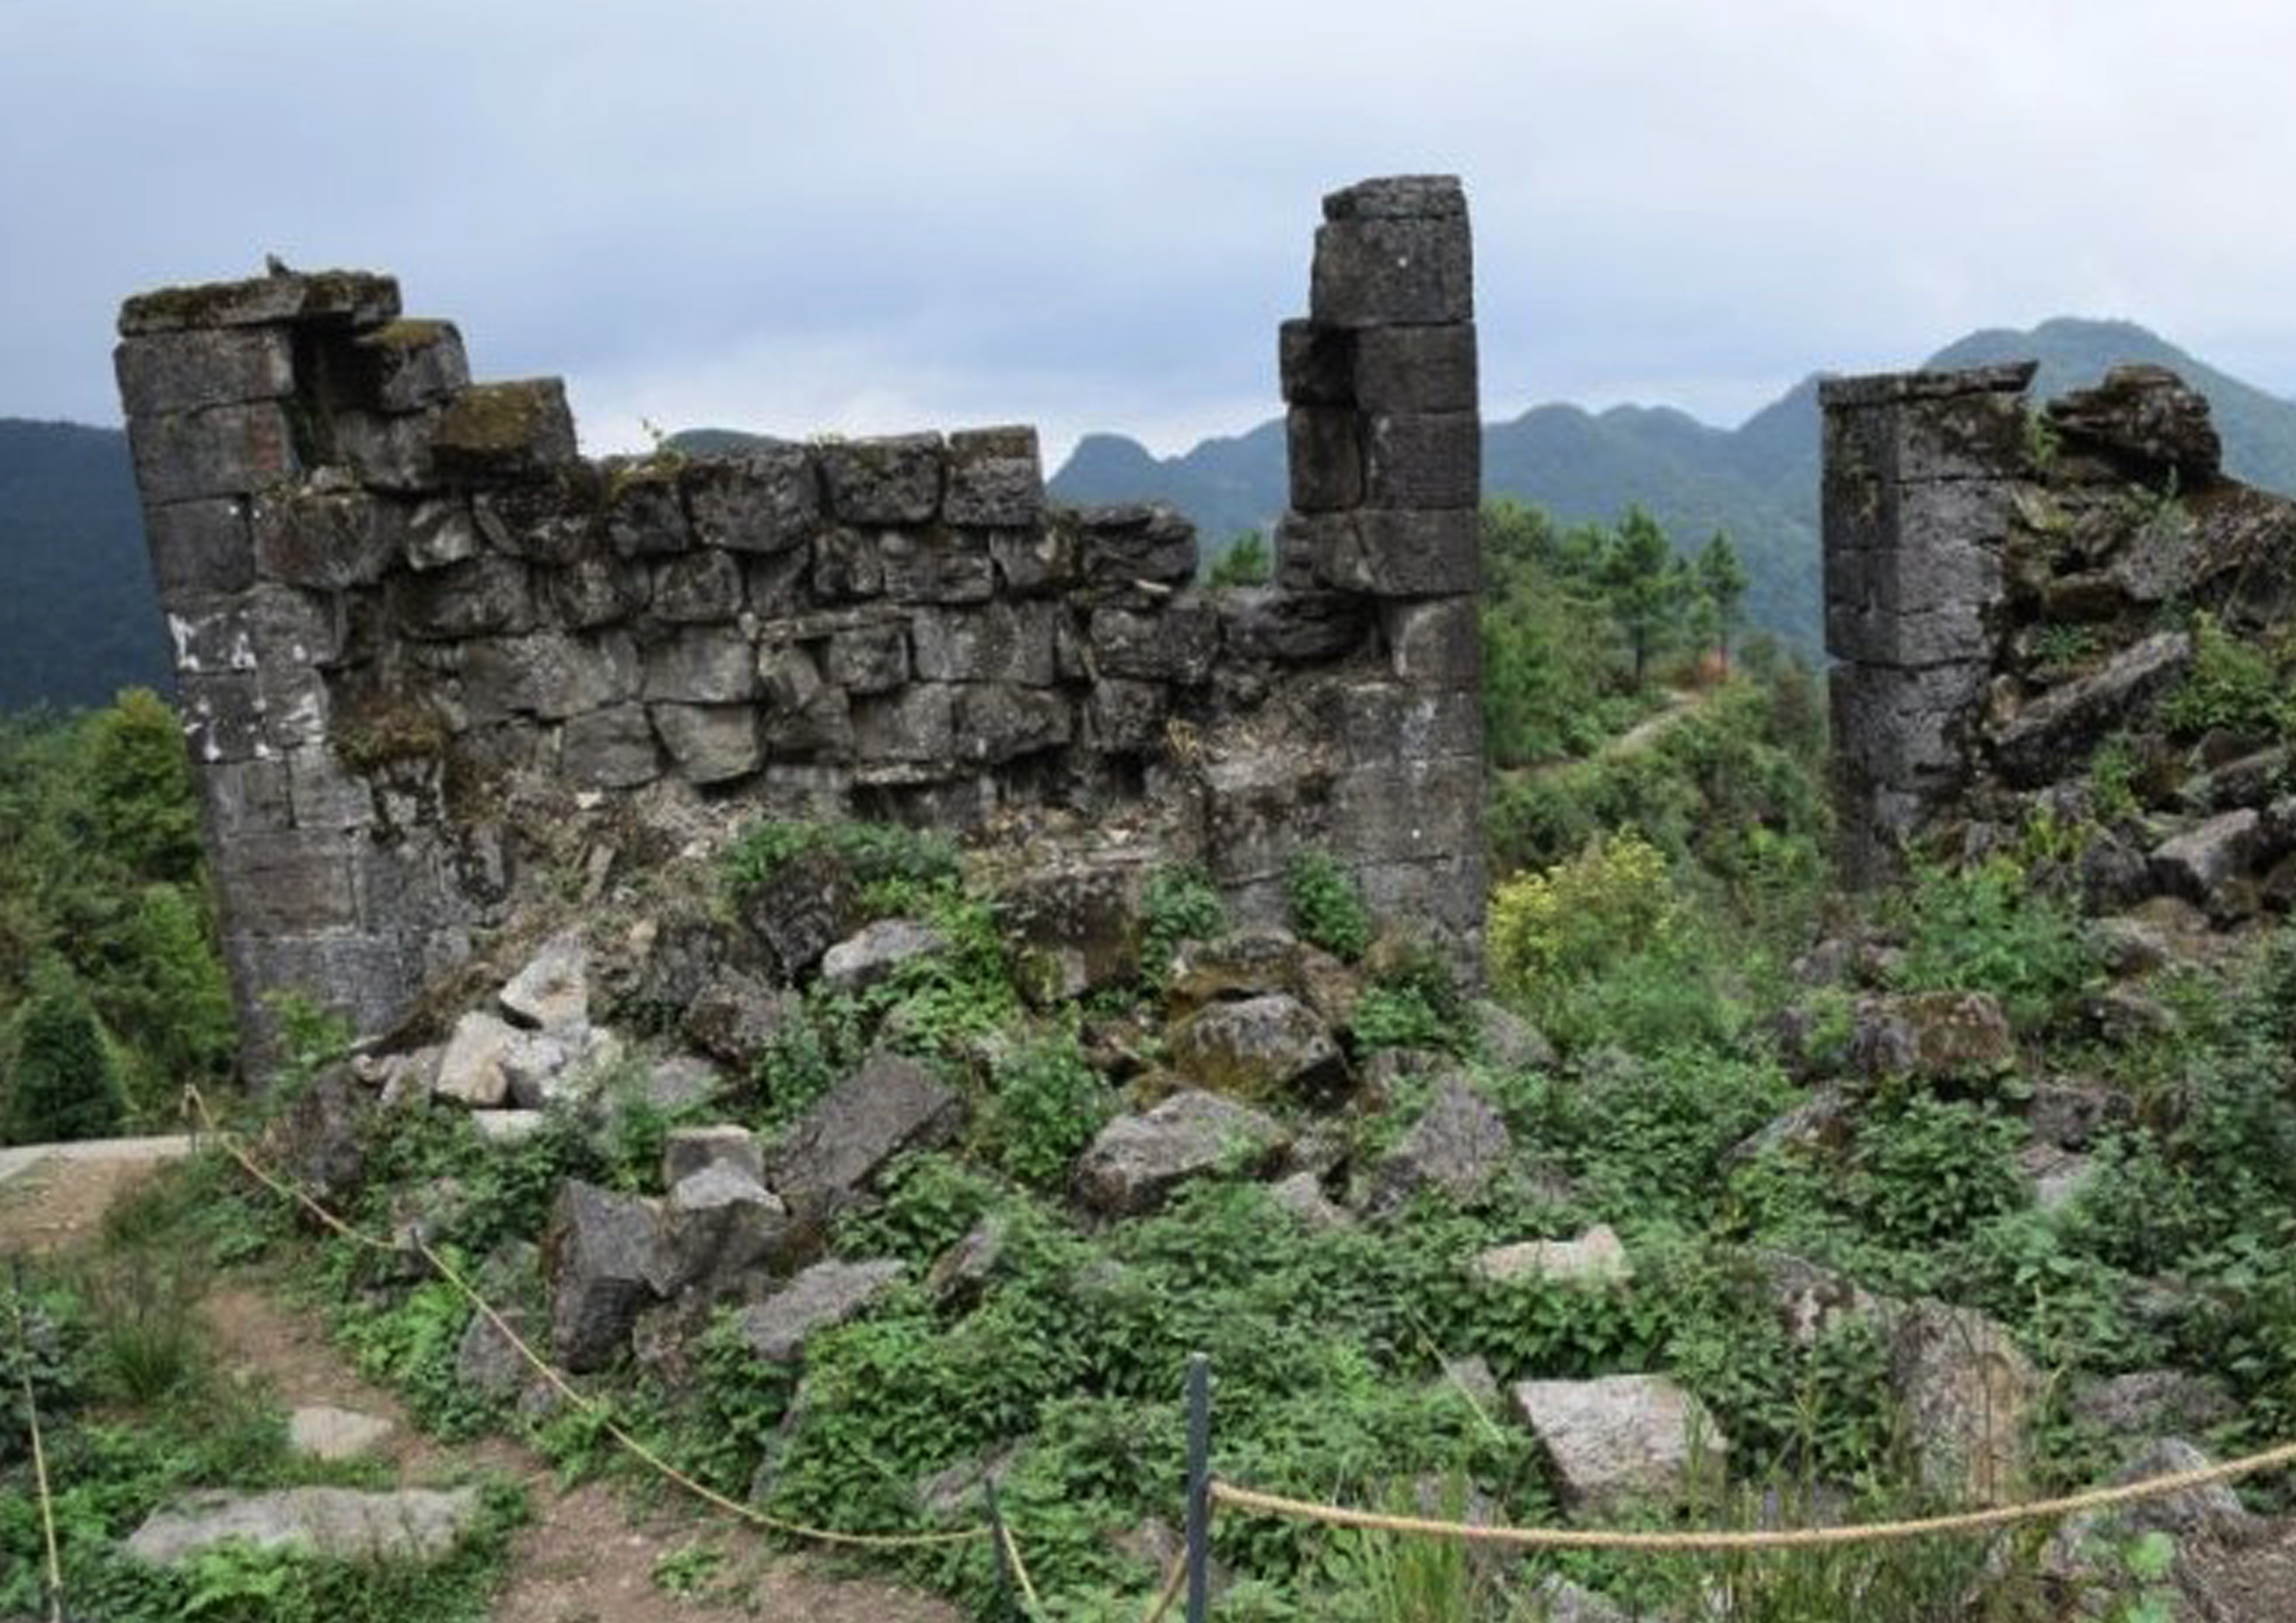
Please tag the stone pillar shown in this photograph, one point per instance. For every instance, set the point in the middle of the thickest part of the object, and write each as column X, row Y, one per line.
column 1386, row 481
column 258, row 413
column 1921, row 476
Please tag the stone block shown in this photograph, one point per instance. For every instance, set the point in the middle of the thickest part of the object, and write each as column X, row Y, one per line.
column 1407, row 810
column 222, row 716
column 407, row 364
column 1386, row 554
column 995, row 722
column 295, row 703
column 1399, row 197
column 1137, row 1162
column 323, row 796
column 609, row 748
column 435, row 533
column 475, row 598
column 1264, row 623
column 996, row 642
column 996, row 479
column 1424, row 460
column 1376, row 723
column 869, row 659
column 1041, row 559
column 192, row 369
column 386, row 451
column 1416, row 369
column 553, row 675
column 1124, row 717
column 1620, row 1438
column 893, row 480
column 835, row 1151
column 2056, row 733
column 200, row 549
column 774, row 583
column 825, row 1295
column 1316, row 365
column 708, row 743
column 699, row 588
column 508, row 430
column 357, row 298
column 916, row 724
column 248, row 794
column 211, row 636
column 1326, row 459
column 1134, row 542
column 701, row 665
column 324, row 539
column 221, row 451
column 291, row 883
column 767, row 499
column 847, row 566
column 1436, row 642
column 937, row 566
column 1259, row 809
column 1379, row 271
column 606, row 1258
column 1178, row 644
column 594, row 592
column 643, row 515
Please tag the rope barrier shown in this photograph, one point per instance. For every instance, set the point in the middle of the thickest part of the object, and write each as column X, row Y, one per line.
column 1170, row 1592
column 195, row 1103
column 1034, row 1607
column 56, row 1572
column 1252, row 1501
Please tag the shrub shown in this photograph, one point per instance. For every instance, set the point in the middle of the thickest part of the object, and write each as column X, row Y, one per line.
column 1048, row 1103
column 2232, row 685
column 63, row 1083
column 1327, row 910
column 1246, row 562
column 875, row 853
column 1612, row 899
column 1981, row 929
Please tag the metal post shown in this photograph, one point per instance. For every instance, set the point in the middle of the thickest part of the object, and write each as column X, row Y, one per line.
column 1200, row 1488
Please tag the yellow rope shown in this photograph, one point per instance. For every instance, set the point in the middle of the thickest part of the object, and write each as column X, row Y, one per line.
column 39, row 1459
column 1255, row 1502
column 1036, row 1608
column 558, row 1382
column 1170, row 1592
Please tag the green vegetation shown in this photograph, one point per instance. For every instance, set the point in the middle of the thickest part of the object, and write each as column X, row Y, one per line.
column 112, row 992
column 1327, row 909
column 2233, row 686
column 136, row 1411
column 1244, row 562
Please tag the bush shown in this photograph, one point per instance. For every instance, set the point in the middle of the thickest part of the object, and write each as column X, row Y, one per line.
column 1984, row 930
column 2233, row 685
column 1048, row 1103
column 1327, row 910
column 1246, row 562
column 876, row 854
column 1545, row 930
column 62, row 1082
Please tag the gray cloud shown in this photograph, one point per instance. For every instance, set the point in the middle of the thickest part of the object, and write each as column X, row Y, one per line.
column 869, row 218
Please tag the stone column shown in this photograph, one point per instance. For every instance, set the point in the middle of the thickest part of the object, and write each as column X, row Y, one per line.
column 1386, row 475
column 1921, row 476
column 253, row 409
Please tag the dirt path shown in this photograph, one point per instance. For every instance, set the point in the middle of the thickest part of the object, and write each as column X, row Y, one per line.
column 589, row 1553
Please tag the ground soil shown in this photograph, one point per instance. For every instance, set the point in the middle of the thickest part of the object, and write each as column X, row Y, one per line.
column 589, row 1552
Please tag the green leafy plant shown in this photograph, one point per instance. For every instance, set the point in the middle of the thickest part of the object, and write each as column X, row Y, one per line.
column 1246, row 562
column 1179, row 903
column 1327, row 909
column 1982, row 929
column 1045, row 1104
column 63, row 1082
column 2233, row 685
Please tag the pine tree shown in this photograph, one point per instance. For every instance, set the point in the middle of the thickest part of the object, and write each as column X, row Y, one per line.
column 61, row 1081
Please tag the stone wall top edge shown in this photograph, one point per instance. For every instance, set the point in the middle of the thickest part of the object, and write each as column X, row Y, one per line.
column 1889, row 388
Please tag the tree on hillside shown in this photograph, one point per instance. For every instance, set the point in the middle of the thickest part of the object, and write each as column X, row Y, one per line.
column 1246, row 562
column 1647, row 588
column 62, row 1081
column 141, row 786
column 1722, row 582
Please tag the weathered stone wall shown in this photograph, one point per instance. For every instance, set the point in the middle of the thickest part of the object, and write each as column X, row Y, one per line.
column 2008, row 591
column 401, row 599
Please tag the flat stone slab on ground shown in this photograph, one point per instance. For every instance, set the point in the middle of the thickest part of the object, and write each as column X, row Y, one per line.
column 339, row 1522
column 321, row 1432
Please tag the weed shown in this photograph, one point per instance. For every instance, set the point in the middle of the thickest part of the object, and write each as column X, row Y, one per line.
column 1327, row 909
column 1179, row 903
column 1046, row 1103
column 1984, row 930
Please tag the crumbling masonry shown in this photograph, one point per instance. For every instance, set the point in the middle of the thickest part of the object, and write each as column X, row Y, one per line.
column 414, row 627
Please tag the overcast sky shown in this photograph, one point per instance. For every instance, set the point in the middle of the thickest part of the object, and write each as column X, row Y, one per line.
column 880, row 215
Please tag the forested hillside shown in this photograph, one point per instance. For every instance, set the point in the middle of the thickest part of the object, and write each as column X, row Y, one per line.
column 78, row 617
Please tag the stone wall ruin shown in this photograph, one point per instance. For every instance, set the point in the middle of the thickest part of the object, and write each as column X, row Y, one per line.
column 2009, row 591
column 416, row 629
